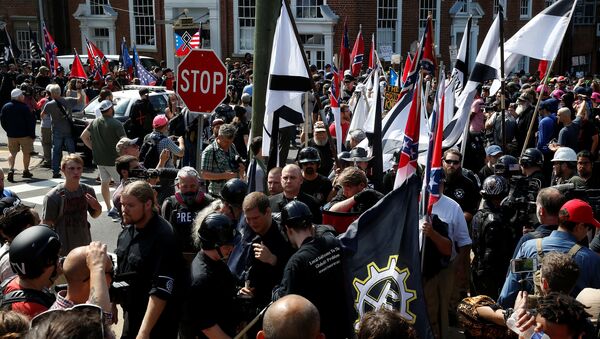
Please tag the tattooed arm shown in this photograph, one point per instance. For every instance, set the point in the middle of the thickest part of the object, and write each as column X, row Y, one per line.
column 99, row 264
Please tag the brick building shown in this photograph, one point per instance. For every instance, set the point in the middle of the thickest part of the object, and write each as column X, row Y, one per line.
column 228, row 25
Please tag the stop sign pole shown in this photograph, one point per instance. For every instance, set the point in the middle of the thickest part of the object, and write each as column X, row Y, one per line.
column 202, row 86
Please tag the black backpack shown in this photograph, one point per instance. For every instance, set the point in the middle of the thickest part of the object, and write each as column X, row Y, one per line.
column 44, row 298
column 149, row 153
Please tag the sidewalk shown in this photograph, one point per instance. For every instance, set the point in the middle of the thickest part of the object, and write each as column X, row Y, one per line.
column 36, row 160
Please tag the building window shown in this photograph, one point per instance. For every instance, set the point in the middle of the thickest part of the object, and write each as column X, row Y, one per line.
column 314, row 47
column 523, row 65
column 246, row 21
column 387, row 23
column 426, row 7
column 497, row 4
column 584, row 12
column 97, row 6
column 101, row 39
column 309, row 9
column 23, row 44
column 525, row 9
column 143, row 17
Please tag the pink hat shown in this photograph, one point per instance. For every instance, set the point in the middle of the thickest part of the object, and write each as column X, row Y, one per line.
column 542, row 87
column 557, row 94
column 160, row 121
column 596, row 97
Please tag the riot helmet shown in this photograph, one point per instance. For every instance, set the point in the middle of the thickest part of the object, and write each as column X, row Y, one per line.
column 296, row 214
column 495, row 186
column 507, row 166
column 309, row 154
column 532, row 157
column 233, row 192
column 32, row 250
column 216, row 230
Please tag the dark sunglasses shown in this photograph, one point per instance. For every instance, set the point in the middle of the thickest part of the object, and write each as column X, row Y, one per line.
column 94, row 312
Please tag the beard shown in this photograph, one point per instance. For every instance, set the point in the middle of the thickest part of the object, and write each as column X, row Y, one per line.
column 309, row 170
column 521, row 108
column 320, row 142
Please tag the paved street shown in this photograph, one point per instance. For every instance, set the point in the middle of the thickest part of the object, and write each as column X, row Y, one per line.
column 32, row 191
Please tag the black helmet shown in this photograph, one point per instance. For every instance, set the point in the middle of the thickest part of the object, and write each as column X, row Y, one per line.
column 233, row 192
column 532, row 157
column 32, row 250
column 494, row 186
column 309, row 154
column 216, row 230
column 296, row 214
column 507, row 166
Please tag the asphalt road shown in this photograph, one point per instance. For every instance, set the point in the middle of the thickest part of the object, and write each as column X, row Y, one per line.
column 32, row 191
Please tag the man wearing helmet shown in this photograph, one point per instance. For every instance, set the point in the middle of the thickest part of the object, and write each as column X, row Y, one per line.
column 314, row 184
column 181, row 208
column 34, row 258
column 209, row 310
column 532, row 162
column 149, row 257
column 493, row 238
column 564, row 165
column 315, row 270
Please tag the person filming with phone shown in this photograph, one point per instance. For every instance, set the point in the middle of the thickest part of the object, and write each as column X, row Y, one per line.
column 575, row 220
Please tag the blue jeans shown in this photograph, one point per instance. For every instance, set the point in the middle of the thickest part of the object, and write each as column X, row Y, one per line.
column 58, row 141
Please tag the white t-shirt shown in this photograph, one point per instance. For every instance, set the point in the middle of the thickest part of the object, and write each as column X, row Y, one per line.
column 449, row 211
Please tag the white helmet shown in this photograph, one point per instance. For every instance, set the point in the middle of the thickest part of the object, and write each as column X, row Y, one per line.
column 565, row 154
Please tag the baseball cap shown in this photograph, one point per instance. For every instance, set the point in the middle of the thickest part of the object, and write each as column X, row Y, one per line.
column 524, row 97
column 578, row 211
column 105, row 105
column 590, row 297
column 596, row 97
column 126, row 142
column 15, row 93
column 217, row 122
column 160, row 121
column 557, row 93
column 320, row 126
column 493, row 150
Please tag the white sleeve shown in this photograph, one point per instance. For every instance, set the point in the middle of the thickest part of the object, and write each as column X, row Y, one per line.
column 461, row 237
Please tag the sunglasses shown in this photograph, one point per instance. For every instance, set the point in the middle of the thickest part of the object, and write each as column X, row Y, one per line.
column 93, row 312
column 452, row 162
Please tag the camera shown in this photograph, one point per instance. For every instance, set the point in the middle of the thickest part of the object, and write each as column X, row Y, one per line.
column 162, row 173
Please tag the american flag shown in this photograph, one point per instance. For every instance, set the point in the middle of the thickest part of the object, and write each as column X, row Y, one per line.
column 196, row 41
column 50, row 50
column 141, row 73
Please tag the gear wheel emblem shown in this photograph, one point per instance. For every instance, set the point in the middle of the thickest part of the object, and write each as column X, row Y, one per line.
column 384, row 287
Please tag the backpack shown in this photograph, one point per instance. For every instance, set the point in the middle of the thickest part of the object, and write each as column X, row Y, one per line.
column 149, row 153
column 537, row 275
column 43, row 298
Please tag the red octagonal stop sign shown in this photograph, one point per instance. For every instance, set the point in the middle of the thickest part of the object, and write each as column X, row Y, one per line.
column 202, row 80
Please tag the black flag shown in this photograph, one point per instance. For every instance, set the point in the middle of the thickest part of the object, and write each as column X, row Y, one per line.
column 382, row 260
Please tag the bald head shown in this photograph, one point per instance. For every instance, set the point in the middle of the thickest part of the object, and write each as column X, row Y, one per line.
column 291, row 180
column 75, row 266
column 291, row 317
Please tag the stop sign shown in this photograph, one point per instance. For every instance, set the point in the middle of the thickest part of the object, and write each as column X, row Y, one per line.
column 202, row 80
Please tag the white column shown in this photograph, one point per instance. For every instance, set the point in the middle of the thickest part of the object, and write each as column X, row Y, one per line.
column 169, row 39
column 215, row 30
column 328, row 44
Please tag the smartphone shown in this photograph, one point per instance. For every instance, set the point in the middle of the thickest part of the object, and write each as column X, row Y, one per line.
column 523, row 265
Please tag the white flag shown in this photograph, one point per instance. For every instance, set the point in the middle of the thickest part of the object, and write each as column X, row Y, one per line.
column 288, row 80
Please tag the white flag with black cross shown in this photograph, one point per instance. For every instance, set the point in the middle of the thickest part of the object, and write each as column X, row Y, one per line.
column 288, row 81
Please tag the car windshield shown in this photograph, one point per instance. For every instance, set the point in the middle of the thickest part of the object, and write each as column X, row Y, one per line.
column 159, row 102
column 120, row 106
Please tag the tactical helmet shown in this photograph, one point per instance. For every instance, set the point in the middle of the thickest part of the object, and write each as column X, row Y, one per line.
column 309, row 154
column 532, row 157
column 32, row 250
column 565, row 154
column 495, row 185
column 507, row 166
column 233, row 192
column 216, row 230
column 296, row 214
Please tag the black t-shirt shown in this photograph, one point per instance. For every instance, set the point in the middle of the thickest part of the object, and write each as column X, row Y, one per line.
column 326, row 155
column 315, row 272
column 464, row 192
column 238, row 139
column 153, row 259
column 210, row 299
column 318, row 188
column 182, row 216
column 278, row 201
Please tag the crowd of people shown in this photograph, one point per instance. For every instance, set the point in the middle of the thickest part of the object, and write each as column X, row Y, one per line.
column 210, row 246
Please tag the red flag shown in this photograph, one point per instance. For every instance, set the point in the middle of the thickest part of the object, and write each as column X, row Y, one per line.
column 409, row 153
column 96, row 58
column 357, row 55
column 435, row 174
column 407, row 68
column 543, row 68
column 77, row 70
column 344, row 61
column 372, row 53
column 50, row 49
column 429, row 63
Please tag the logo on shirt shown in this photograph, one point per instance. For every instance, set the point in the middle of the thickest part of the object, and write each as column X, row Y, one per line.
column 459, row 193
column 384, row 288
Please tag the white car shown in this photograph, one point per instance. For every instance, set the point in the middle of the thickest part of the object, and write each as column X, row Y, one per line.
column 124, row 100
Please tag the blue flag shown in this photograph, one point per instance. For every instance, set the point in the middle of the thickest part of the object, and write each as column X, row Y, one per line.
column 127, row 63
column 382, row 260
column 141, row 73
column 393, row 78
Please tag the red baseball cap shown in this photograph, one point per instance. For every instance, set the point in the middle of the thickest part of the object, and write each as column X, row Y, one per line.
column 578, row 211
column 160, row 121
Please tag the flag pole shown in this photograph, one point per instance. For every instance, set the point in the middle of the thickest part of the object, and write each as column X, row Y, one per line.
column 537, row 106
column 502, row 79
column 306, row 118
